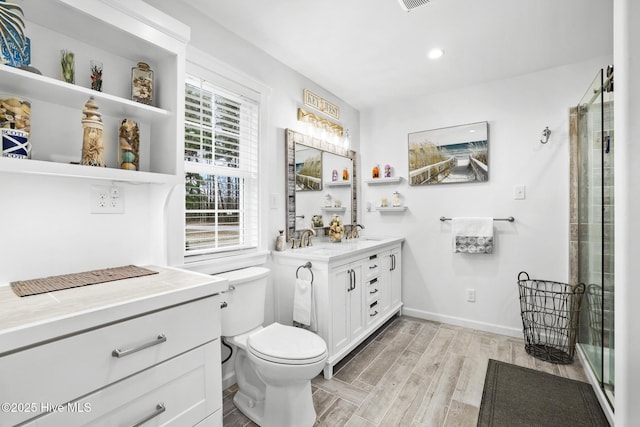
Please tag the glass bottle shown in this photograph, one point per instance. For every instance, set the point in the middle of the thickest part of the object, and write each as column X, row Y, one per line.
column 280, row 242
column 345, row 174
column 375, row 173
column 142, row 83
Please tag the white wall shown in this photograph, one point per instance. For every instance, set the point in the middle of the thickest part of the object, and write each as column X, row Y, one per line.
column 517, row 109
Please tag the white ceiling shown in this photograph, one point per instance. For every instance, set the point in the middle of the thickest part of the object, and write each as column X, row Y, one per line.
column 371, row 51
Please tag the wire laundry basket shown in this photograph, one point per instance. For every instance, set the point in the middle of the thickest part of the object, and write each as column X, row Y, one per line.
column 550, row 314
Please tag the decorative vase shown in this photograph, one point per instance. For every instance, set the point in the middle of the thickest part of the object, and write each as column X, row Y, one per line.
column 96, row 75
column 336, row 230
column 280, row 241
column 129, row 143
column 15, row 47
column 142, row 83
column 345, row 174
column 67, row 66
column 92, row 148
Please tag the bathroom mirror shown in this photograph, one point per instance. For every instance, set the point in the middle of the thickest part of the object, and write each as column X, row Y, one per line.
column 303, row 205
column 308, row 168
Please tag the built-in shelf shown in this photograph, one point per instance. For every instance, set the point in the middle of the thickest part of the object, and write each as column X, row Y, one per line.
column 392, row 180
column 334, row 210
column 35, row 86
column 337, row 183
column 391, row 208
column 40, row 167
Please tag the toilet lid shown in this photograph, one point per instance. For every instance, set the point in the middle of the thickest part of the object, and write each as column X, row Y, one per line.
column 286, row 344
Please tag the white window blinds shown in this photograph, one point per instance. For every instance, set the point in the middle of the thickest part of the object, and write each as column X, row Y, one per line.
column 221, row 169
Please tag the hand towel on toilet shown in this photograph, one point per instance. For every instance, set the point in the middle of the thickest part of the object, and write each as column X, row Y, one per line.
column 303, row 304
column 472, row 235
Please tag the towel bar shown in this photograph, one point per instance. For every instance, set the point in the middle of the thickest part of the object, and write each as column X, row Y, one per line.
column 510, row 219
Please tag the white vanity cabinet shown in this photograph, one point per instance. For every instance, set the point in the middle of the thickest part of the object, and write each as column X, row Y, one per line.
column 116, row 353
column 356, row 284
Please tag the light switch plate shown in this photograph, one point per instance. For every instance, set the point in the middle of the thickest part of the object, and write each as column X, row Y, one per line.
column 519, row 192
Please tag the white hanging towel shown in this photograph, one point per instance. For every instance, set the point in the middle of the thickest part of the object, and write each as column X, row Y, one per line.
column 472, row 235
column 304, row 312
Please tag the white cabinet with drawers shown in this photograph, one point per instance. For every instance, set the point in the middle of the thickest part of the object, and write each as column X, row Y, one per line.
column 356, row 284
column 119, row 353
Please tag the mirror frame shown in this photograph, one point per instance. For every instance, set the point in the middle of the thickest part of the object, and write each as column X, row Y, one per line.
column 292, row 138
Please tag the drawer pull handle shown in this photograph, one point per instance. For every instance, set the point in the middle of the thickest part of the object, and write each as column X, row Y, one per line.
column 375, row 291
column 160, row 408
column 121, row 353
column 373, row 304
column 373, row 281
column 371, row 267
column 375, row 313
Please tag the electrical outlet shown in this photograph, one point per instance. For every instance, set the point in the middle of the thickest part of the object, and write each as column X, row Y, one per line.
column 106, row 200
column 471, row 295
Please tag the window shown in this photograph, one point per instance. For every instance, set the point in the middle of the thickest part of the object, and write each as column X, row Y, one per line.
column 221, row 169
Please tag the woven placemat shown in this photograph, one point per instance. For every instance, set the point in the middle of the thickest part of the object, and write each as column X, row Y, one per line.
column 43, row 285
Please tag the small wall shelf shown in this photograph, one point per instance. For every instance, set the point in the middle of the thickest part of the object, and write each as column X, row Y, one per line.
column 391, row 208
column 334, row 210
column 337, row 183
column 392, row 180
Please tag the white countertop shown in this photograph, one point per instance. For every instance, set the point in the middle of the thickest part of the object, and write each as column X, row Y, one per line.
column 324, row 250
column 26, row 321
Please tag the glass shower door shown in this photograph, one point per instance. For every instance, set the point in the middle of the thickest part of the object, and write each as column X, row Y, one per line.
column 595, row 228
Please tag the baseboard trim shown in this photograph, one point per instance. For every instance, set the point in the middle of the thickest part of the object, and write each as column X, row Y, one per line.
column 465, row 323
column 604, row 403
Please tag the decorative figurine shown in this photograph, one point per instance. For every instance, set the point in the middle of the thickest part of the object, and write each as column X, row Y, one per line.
column 142, row 83
column 334, row 175
column 92, row 148
column 129, row 145
column 387, row 171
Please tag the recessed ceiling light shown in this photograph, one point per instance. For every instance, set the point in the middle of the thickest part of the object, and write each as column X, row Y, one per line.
column 435, row 53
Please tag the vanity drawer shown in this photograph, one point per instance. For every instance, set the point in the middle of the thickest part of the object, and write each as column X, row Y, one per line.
column 180, row 392
column 60, row 371
column 373, row 311
column 372, row 266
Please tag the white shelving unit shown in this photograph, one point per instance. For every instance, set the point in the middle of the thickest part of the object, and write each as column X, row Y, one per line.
column 338, row 183
column 376, row 181
column 334, row 210
column 391, row 208
column 119, row 34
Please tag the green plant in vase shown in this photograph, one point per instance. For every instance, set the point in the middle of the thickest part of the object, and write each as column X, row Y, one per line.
column 68, row 66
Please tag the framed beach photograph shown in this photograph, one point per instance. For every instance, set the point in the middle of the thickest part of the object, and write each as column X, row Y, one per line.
column 308, row 168
column 456, row 154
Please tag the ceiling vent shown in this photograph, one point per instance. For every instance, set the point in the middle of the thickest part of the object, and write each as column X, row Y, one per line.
column 409, row 5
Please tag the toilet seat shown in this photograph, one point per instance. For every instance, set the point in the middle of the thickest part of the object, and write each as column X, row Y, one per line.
column 287, row 345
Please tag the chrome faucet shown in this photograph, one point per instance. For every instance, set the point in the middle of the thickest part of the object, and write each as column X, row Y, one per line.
column 307, row 233
column 353, row 233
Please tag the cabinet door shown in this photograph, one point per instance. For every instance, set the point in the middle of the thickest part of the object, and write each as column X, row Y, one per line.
column 396, row 276
column 356, row 300
column 339, row 284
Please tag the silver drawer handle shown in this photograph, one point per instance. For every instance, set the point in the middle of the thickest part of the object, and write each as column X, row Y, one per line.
column 160, row 408
column 121, row 353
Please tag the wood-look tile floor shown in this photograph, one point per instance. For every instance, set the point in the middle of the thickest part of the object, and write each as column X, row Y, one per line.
column 412, row 372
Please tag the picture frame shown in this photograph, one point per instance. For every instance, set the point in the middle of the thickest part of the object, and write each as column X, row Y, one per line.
column 456, row 154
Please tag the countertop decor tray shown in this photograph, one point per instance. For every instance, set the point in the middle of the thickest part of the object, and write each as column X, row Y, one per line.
column 43, row 285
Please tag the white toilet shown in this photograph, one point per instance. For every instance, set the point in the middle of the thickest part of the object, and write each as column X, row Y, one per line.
column 274, row 365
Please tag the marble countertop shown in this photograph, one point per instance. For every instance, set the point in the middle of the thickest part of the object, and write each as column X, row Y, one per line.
column 27, row 321
column 324, row 250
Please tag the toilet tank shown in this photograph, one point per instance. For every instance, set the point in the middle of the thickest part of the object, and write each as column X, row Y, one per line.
column 245, row 303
